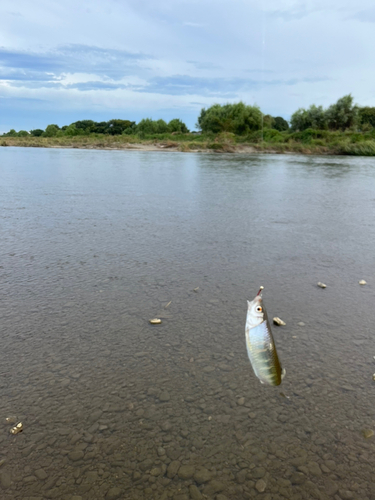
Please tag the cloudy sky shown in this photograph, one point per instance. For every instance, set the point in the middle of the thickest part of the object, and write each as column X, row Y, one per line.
column 62, row 61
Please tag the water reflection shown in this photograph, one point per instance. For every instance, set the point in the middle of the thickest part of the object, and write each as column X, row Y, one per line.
column 114, row 407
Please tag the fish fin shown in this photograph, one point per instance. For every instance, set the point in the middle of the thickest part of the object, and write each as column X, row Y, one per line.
column 283, row 373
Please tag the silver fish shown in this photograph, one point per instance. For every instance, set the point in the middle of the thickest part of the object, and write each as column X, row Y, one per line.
column 260, row 344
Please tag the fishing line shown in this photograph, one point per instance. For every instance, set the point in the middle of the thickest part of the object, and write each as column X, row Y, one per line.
column 262, row 64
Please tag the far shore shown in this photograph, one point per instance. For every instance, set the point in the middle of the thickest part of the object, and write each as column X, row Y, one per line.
column 114, row 143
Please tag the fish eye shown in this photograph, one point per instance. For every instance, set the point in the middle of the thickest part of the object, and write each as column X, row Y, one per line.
column 259, row 309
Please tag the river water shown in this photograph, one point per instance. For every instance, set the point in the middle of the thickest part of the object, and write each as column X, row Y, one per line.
column 95, row 243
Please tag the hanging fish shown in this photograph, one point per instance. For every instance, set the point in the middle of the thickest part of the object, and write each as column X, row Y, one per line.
column 260, row 345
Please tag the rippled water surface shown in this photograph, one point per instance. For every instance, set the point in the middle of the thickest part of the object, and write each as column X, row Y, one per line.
column 95, row 243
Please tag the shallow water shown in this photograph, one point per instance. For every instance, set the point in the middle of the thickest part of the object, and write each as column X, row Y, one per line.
column 95, row 243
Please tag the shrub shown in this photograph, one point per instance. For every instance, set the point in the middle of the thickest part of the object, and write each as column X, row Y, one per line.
column 237, row 118
column 314, row 117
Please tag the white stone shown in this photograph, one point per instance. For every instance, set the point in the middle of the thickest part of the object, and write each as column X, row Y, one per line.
column 279, row 322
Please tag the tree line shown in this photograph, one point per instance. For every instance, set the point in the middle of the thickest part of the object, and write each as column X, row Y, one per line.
column 238, row 119
column 111, row 127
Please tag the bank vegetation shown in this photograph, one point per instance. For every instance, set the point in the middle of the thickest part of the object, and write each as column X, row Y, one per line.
column 342, row 129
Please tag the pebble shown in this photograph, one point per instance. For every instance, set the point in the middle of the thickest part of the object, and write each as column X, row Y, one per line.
column 241, row 401
column 297, row 478
column 241, row 476
column 173, row 468
column 367, row 433
column 11, row 420
column 41, row 474
column 279, row 322
column 186, row 471
column 330, row 487
column 17, row 428
column 362, row 282
column 322, row 285
column 74, row 456
column 345, row 494
column 314, row 469
column 301, row 323
column 29, row 479
column 181, row 496
column 213, row 487
column 260, row 485
column 202, row 476
column 195, row 494
column 113, row 493
column 259, row 472
column 155, row 321
column 164, row 397
column 5, row 480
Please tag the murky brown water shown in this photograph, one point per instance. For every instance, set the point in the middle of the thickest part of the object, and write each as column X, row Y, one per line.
column 94, row 244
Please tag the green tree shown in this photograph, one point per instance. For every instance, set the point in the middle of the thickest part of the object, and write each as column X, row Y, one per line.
column 176, row 125
column 37, row 132
column 280, row 124
column 86, row 126
column 23, row 133
column 367, row 116
column 51, row 130
column 71, row 130
column 161, row 127
column 236, row 118
column 314, row 117
column 342, row 115
column 147, row 126
column 11, row 133
column 116, row 127
column 268, row 121
column 100, row 128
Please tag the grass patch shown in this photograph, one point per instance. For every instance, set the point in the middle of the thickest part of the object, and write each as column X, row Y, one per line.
column 309, row 141
column 364, row 148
